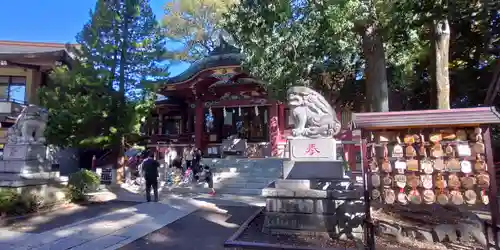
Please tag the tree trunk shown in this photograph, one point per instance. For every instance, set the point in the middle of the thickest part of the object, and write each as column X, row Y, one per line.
column 377, row 93
column 121, row 89
column 440, row 74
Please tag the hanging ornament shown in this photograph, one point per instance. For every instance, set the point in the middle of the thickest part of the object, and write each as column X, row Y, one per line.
column 239, row 111
column 256, row 111
column 224, row 111
column 233, row 111
column 210, row 111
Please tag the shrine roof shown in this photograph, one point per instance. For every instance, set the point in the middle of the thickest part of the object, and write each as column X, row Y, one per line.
column 427, row 118
column 22, row 51
column 223, row 55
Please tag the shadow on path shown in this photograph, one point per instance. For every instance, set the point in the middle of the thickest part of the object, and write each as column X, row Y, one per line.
column 204, row 229
column 65, row 216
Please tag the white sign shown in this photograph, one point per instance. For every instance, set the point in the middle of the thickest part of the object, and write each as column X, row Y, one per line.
column 306, row 149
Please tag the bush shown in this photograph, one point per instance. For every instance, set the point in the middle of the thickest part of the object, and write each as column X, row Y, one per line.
column 81, row 183
column 7, row 200
column 12, row 202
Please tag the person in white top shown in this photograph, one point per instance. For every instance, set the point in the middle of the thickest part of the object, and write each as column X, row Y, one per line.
column 188, row 156
column 171, row 155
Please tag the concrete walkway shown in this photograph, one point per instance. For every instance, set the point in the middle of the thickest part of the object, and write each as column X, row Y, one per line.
column 108, row 231
column 120, row 227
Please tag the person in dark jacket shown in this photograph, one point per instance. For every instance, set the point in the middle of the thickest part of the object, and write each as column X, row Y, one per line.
column 150, row 172
column 196, row 163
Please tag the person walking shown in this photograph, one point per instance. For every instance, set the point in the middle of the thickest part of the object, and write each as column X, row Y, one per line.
column 196, row 162
column 150, row 172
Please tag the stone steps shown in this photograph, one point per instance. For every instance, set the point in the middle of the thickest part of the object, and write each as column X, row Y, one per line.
column 238, row 176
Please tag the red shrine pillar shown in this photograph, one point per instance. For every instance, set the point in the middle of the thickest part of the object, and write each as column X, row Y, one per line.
column 274, row 130
column 281, row 118
column 198, row 123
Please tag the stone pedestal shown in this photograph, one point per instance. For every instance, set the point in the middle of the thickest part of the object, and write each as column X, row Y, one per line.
column 312, row 150
column 26, row 170
column 292, row 208
column 313, row 159
column 25, row 152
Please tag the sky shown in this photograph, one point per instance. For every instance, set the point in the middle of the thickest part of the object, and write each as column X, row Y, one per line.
column 54, row 21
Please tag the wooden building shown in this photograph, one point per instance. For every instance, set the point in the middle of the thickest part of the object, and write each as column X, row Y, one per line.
column 214, row 100
column 24, row 67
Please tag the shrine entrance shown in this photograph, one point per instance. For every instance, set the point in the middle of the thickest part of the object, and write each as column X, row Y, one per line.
column 249, row 123
column 214, row 105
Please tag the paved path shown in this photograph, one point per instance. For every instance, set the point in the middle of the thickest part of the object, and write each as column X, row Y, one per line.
column 203, row 229
column 123, row 226
column 111, row 230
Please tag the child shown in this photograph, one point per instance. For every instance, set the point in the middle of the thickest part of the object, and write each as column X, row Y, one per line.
column 208, row 176
column 188, row 176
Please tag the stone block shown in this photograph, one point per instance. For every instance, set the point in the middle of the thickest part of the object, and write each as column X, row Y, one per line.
column 306, row 222
column 311, row 193
column 275, row 192
column 24, row 166
column 293, row 184
column 271, row 205
column 294, row 206
column 320, row 170
column 24, row 152
column 325, row 206
column 318, row 149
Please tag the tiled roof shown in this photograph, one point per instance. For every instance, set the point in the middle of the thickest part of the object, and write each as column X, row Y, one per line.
column 14, row 47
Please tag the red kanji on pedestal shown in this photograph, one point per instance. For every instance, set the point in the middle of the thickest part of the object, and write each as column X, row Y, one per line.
column 312, row 150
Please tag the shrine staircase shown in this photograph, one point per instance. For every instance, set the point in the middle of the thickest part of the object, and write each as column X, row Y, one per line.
column 238, row 176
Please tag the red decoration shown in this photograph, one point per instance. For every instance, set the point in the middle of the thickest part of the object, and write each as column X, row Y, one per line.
column 312, row 150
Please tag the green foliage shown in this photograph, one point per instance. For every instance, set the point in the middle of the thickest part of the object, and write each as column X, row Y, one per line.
column 194, row 25
column 319, row 43
column 295, row 43
column 13, row 203
column 110, row 87
column 81, row 183
column 79, row 110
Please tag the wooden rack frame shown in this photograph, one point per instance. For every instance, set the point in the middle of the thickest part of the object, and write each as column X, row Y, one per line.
column 454, row 118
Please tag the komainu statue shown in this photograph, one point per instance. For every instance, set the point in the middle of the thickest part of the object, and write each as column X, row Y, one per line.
column 29, row 126
column 313, row 116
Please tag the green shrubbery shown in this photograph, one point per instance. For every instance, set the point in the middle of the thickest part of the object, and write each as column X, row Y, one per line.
column 81, row 183
column 12, row 202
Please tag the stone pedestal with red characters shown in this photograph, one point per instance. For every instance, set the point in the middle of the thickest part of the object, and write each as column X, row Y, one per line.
column 314, row 195
column 314, row 159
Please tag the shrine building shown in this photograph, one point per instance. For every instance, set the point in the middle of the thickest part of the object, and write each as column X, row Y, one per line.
column 24, row 67
column 217, row 107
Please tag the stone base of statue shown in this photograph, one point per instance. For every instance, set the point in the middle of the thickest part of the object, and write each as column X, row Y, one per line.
column 25, row 169
column 26, row 151
column 313, row 159
column 315, row 195
column 295, row 207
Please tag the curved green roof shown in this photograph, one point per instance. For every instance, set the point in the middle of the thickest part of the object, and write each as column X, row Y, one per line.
column 223, row 55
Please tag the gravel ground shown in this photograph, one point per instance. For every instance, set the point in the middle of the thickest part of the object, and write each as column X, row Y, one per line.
column 65, row 216
column 254, row 233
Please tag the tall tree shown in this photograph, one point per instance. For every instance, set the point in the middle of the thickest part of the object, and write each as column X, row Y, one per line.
column 79, row 108
column 292, row 42
column 195, row 26
column 120, row 51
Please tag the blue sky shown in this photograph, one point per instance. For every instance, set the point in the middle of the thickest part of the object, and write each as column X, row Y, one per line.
column 54, row 21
